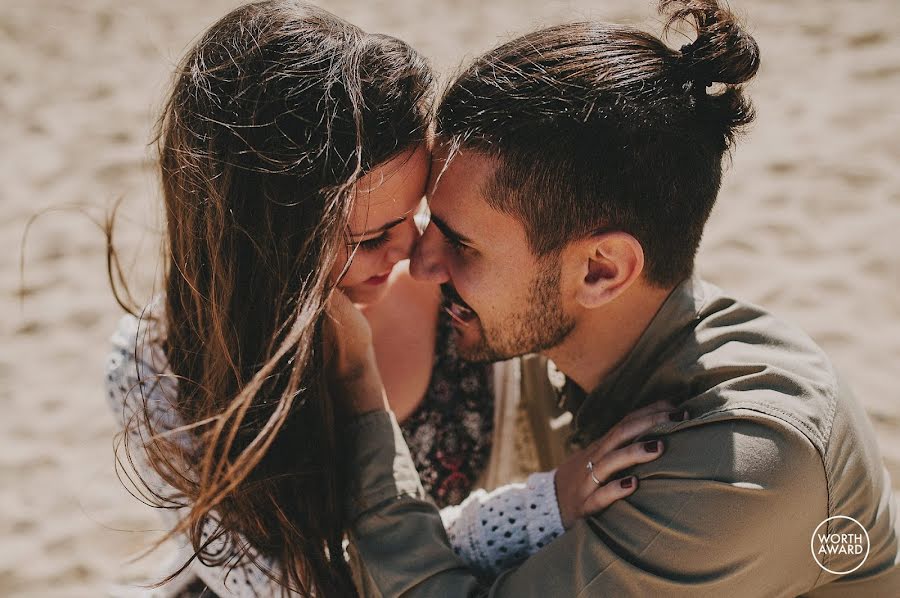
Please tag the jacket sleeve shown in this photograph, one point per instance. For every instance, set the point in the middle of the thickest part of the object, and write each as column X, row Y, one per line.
column 729, row 509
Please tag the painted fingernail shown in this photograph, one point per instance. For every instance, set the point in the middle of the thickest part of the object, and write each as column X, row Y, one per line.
column 652, row 446
column 627, row 483
column 678, row 416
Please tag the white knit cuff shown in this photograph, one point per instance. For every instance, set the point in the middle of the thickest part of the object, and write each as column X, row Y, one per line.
column 544, row 522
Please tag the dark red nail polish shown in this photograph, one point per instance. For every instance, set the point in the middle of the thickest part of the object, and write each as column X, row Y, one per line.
column 652, row 446
column 627, row 483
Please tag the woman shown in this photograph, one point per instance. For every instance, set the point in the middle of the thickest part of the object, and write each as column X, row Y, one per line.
column 293, row 157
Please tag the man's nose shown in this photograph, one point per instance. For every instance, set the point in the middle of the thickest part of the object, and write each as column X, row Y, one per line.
column 427, row 260
column 403, row 247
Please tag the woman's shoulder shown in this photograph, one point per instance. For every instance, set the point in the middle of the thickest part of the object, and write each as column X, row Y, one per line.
column 137, row 374
column 137, row 341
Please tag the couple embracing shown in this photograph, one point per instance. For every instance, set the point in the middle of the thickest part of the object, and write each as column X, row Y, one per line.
column 544, row 400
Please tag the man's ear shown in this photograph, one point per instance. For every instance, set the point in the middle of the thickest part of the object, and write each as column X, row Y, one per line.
column 609, row 264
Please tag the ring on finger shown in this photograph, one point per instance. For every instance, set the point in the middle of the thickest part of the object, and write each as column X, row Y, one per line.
column 590, row 467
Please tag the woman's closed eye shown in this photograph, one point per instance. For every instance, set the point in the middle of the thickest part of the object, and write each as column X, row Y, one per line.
column 376, row 242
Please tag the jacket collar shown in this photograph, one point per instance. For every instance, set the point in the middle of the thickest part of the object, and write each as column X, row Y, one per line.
column 626, row 388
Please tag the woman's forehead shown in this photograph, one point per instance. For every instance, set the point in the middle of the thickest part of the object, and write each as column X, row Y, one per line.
column 396, row 171
column 391, row 190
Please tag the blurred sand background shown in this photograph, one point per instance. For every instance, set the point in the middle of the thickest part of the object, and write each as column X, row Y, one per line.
column 807, row 224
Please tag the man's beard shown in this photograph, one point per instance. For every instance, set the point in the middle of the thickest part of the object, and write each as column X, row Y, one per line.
column 541, row 325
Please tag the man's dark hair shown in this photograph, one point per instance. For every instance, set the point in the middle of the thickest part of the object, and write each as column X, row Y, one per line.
column 596, row 126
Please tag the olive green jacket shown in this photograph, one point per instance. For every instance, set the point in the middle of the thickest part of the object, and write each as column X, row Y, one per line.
column 775, row 445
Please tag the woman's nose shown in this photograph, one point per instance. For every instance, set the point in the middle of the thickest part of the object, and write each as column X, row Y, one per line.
column 426, row 262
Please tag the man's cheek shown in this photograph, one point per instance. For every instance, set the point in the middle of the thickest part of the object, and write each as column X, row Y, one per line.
column 482, row 299
column 471, row 286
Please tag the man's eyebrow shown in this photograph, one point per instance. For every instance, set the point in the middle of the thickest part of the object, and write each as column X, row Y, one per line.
column 448, row 231
column 383, row 227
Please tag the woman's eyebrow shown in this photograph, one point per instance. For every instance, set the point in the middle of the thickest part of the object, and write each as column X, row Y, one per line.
column 383, row 227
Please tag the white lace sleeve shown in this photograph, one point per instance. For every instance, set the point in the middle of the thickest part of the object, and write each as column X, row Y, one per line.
column 137, row 375
column 494, row 531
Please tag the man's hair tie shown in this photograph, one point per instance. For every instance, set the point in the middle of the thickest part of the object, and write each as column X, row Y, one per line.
column 693, row 65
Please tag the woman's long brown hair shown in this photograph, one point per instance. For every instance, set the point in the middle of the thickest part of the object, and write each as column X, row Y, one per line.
column 275, row 113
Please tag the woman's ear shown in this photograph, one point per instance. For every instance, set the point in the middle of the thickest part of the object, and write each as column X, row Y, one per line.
column 609, row 264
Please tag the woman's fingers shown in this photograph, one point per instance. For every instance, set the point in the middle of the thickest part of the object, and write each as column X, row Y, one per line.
column 605, row 467
column 348, row 336
column 607, row 494
column 664, row 405
column 350, row 355
column 346, row 323
column 583, row 480
column 629, row 456
column 628, row 430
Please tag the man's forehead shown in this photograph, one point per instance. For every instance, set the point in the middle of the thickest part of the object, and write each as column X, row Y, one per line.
column 457, row 197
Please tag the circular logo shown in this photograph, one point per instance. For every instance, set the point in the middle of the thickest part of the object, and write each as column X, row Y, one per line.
column 852, row 544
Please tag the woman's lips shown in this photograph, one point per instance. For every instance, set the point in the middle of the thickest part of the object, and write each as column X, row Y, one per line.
column 377, row 280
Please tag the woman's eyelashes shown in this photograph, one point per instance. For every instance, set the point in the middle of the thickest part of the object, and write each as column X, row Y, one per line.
column 381, row 240
column 375, row 243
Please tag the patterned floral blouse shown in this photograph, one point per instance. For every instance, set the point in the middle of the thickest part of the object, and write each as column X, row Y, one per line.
column 449, row 434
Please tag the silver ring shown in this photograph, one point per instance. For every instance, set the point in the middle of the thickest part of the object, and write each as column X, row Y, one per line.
column 590, row 467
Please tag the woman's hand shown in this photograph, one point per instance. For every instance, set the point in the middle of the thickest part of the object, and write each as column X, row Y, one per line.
column 350, row 357
column 582, row 489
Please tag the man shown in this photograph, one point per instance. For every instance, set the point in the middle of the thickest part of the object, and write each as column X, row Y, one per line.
column 574, row 172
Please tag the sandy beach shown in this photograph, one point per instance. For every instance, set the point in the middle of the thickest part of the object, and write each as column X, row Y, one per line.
column 807, row 224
